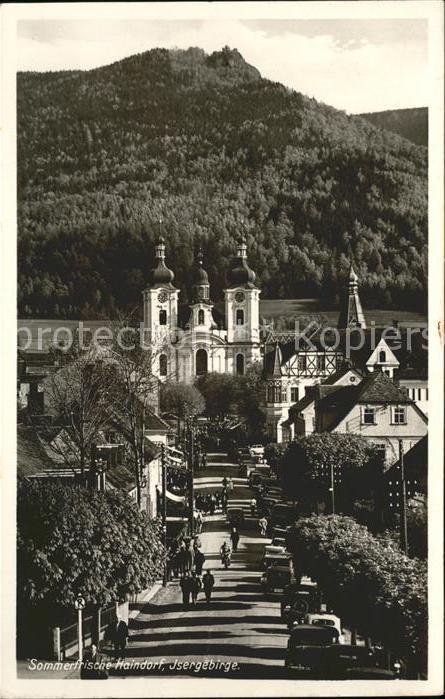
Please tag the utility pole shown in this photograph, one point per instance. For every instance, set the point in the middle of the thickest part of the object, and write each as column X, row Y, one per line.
column 332, row 488
column 403, row 516
column 164, row 508
column 191, row 460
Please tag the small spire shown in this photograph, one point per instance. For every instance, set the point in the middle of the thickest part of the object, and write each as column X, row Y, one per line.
column 199, row 257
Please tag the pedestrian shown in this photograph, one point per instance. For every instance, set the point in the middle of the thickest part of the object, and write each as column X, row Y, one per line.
column 196, row 586
column 189, row 557
column 120, row 638
column 199, row 561
column 253, row 507
column 208, row 583
column 263, row 526
column 234, row 537
column 212, row 504
column 224, row 501
column 230, row 485
column 181, row 557
column 186, row 588
column 199, row 521
column 224, row 482
column 93, row 666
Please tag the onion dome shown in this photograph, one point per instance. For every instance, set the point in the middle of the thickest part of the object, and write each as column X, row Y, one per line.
column 240, row 273
column 161, row 275
column 200, row 280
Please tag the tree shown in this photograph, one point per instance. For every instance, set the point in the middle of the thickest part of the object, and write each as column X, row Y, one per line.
column 73, row 541
column 307, row 462
column 79, row 397
column 181, row 399
column 221, row 393
column 368, row 581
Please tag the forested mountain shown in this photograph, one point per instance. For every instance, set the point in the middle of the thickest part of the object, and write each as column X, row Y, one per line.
column 409, row 123
column 206, row 144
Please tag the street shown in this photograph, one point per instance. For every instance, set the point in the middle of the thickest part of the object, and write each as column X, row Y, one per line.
column 241, row 626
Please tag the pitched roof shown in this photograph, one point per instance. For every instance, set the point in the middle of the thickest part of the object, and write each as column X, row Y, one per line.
column 121, row 478
column 415, row 464
column 31, row 457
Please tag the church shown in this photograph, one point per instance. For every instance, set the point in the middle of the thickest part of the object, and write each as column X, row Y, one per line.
column 194, row 339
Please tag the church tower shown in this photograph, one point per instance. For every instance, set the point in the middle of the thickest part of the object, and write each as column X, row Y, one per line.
column 242, row 300
column 161, row 314
column 351, row 311
column 201, row 318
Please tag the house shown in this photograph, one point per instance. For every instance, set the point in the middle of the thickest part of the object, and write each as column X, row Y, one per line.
column 377, row 409
column 301, row 420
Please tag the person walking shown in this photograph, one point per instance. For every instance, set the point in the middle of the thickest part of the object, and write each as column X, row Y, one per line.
column 196, row 586
column 199, row 561
column 224, row 482
column 93, row 665
column 199, row 522
column 208, row 583
column 212, row 504
column 189, row 558
column 234, row 537
column 120, row 638
column 181, row 557
column 230, row 486
column 253, row 507
column 224, row 501
column 186, row 588
column 263, row 526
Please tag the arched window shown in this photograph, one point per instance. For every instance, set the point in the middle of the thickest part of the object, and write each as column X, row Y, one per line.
column 200, row 317
column 382, row 357
column 240, row 364
column 163, row 365
column 240, row 316
column 163, row 317
column 201, row 362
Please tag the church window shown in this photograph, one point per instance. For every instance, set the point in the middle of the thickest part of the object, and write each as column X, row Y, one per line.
column 163, row 365
column 201, row 362
column 382, row 357
column 240, row 316
column 240, row 364
column 163, row 317
column 200, row 317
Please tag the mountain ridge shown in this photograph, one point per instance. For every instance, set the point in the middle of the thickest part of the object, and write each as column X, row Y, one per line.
column 208, row 145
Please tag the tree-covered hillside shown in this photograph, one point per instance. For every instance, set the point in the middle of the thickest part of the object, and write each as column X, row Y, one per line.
column 206, row 144
column 409, row 123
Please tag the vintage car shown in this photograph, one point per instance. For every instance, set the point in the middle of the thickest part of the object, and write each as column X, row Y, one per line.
column 276, row 578
column 324, row 619
column 235, row 516
column 306, row 650
column 256, row 450
column 277, row 545
column 341, row 658
column 277, row 559
column 298, row 600
column 370, row 673
column 283, row 514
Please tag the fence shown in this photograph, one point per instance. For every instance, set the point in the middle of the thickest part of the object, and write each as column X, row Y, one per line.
column 94, row 626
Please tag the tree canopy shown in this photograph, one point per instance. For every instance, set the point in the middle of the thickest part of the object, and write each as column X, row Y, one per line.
column 181, row 399
column 73, row 541
column 208, row 146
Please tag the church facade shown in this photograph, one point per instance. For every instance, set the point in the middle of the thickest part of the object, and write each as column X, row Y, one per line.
column 201, row 344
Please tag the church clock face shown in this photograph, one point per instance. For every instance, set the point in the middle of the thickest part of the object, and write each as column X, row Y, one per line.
column 163, row 296
column 239, row 297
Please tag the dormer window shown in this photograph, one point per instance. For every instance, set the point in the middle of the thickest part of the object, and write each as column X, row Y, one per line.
column 240, row 316
column 200, row 317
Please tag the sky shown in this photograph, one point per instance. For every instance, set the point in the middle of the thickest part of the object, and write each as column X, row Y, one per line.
column 355, row 65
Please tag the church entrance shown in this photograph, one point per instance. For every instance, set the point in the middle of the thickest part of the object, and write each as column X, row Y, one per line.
column 201, row 362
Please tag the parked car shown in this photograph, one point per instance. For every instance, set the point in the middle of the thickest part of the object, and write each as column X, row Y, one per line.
column 306, row 650
column 283, row 514
column 257, row 450
column 297, row 601
column 276, row 578
column 322, row 619
column 235, row 516
column 340, row 658
column 277, row 545
column 370, row 673
column 277, row 559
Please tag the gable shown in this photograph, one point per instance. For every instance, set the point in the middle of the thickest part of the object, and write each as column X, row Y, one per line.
column 390, row 358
